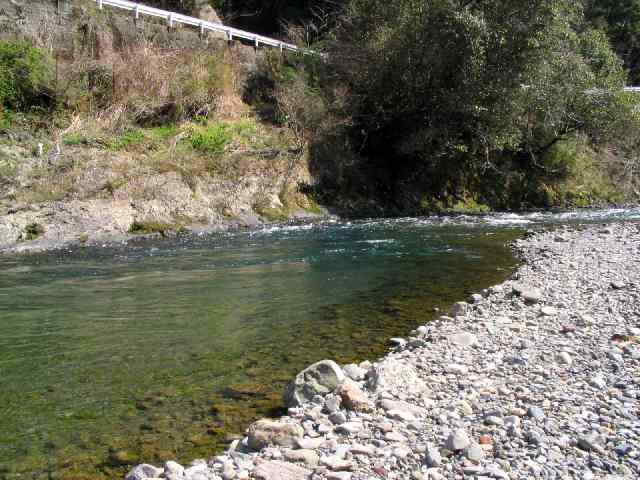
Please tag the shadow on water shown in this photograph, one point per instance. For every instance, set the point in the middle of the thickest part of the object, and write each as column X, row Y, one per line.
column 113, row 357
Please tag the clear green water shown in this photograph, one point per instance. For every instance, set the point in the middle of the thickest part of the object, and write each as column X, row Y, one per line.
column 116, row 356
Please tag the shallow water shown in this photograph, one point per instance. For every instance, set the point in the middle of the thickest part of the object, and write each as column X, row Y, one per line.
column 112, row 357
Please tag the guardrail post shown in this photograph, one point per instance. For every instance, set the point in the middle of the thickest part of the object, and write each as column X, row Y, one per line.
column 100, row 4
column 170, row 20
column 257, row 43
column 201, row 30
column 136, row 13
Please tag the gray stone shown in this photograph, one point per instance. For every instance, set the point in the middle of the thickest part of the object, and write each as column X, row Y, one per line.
column 338, row 476
column 432, row 456
column 354, row 372
column 349, row 428
column 393, row 375
column 589, row 443
column 535, row 412
column 598, row 382
column 144, row 471
column 402, row 415
column 493, row 420
column 321, row 378
column 459, row 309
column 338, row 418
column 277, row 470
column 476, row 298
column 548, row 311
column 474, row 452
column 332, row 403
column 456, row 369
column 173, row 470
column 309, row 443
column 463, row 339
column 336, row 464
column 527, row 293
column 564, row 358
column 268, row 432
column 309, row 457
column 457, row 440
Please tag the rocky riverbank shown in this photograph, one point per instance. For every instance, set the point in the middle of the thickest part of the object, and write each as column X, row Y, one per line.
column 536, row 378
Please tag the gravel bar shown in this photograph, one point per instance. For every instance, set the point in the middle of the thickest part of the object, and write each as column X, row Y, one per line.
column 536, row 378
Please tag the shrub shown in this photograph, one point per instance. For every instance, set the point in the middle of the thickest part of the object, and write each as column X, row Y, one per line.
column 212, row 139
column 25, row 73
column 33, row 231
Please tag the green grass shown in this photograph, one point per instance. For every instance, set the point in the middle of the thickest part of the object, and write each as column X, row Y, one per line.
column 128, row 139
column 164, row 132
column 212, row 139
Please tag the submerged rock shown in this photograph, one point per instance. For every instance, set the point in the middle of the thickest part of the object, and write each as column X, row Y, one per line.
column 320, row 378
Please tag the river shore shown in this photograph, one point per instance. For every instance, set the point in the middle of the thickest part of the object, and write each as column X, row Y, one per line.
column 538, row 377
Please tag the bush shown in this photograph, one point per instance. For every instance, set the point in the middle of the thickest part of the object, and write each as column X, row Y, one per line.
column 25, row 75
column 212, row 139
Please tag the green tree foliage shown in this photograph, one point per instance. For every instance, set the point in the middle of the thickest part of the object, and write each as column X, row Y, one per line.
column 25, row 75
column 445, row 93
column 621, row 20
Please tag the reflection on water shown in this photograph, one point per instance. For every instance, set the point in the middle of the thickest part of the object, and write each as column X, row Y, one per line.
column 110, row 357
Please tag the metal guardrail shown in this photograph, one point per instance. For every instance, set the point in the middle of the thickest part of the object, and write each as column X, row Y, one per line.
column 632, row 89
column 173, row 18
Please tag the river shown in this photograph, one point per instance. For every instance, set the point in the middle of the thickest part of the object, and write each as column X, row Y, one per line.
column 168, row 349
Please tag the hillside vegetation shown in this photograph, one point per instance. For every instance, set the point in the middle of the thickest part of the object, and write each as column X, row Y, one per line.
column 448, row 105
column 414, row 107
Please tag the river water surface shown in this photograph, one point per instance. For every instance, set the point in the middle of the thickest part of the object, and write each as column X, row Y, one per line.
column 167, row 350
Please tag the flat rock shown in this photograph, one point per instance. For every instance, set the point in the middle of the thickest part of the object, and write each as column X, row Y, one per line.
column 269, row 432
column 463, row 339
column 277, row 470
column 308, row 457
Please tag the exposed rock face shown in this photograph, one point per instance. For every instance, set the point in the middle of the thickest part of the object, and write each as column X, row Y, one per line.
column 268, row 432
column 320, row 378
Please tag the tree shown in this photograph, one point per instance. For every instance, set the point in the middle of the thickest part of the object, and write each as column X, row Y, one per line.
column 445, row 91
column 621, row 20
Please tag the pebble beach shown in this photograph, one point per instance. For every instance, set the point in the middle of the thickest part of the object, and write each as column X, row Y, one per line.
column 538, row 377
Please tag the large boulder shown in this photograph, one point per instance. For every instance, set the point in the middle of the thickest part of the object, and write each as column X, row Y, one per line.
column 396, row 377
column 321, row 378
column 270, row 432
